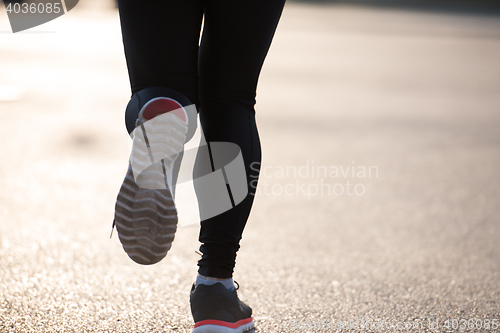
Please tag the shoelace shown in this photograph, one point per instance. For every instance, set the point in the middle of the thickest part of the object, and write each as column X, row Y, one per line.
column 112, row 228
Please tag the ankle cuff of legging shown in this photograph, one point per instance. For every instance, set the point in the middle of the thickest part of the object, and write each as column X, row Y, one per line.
column 216, row 266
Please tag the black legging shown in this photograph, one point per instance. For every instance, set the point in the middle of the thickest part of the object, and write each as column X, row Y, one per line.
column 220, row 76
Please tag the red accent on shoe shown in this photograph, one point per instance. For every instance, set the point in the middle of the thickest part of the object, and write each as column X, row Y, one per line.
column 163, row 105
column 223, row 323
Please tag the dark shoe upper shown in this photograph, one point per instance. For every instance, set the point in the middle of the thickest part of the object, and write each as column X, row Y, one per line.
column 216, row 302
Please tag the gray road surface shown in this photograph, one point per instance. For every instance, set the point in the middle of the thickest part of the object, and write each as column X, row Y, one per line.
column 412, row 97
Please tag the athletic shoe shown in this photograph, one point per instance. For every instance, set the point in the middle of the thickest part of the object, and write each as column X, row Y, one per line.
column 145, row 214
column 215, row 309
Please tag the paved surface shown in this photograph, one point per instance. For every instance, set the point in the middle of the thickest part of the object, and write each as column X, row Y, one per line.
column 415, row 96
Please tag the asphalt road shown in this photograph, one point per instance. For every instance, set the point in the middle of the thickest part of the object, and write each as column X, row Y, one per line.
column 410, row 100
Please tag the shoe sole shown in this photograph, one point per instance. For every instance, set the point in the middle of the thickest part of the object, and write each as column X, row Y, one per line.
column 224, row 327
column 145, row 214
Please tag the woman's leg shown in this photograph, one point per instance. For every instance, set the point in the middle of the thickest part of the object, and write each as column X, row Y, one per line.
column 236, row 38
column 235, row 42
column 161, row 48
column 161, row 44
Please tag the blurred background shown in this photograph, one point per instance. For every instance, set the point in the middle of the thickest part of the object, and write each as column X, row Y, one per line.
column 407, row 89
